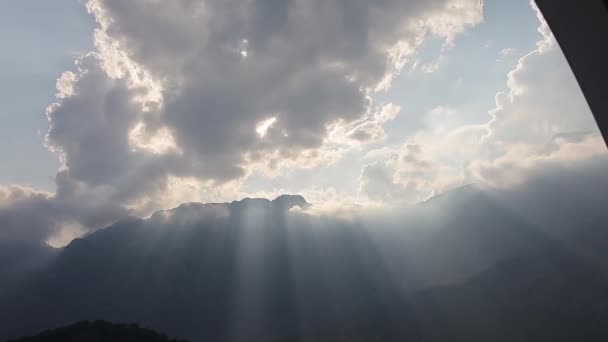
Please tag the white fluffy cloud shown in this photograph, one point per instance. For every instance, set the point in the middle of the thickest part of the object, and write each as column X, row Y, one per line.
column 544, row 98
column 406, row 174
column 225, row 67
column 542, row 122
column 544, row 117
column 221, row 69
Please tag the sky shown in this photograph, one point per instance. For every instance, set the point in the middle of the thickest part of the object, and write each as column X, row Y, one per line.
column 113, row 108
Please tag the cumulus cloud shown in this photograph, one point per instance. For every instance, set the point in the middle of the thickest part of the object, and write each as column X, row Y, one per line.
column 195, row 94
column 544, row 98
column 405, row 174
column 225, row 68
column 222, row 70
column 541, row 123
column 27, row 214
column 17, row 222
column 520, row 160
column 544, row 117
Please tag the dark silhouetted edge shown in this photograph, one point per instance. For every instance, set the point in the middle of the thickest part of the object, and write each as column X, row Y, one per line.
column 99, row 331
column 581, row 28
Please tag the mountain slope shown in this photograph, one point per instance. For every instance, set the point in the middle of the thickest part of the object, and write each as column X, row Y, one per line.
column 19, row 259
column 254, row 271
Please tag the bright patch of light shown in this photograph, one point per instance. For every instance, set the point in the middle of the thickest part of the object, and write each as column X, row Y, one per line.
column 244, row 48
column 262, row 127
column 65, row 235
column 160, row 142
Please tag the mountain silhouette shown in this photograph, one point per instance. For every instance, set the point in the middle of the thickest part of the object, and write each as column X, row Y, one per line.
column 98, row 331
column 466, row 265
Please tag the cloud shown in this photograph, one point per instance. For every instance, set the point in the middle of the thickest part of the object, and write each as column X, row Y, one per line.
column 225, row 68
column 506, row 52
column 182, row 101
column 369, row 128
column 542, row 123
column 208, row 74
column 307, row 65
column 404, row 175
column 544, row 98
column 176, row 95
column 18, row 223
column 520, row 160
column 543, row 118
column 30, row 215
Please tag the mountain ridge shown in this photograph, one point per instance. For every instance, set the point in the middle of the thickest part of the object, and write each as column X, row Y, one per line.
column 253, row 271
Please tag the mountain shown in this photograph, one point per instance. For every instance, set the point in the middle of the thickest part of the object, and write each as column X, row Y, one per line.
column 534, row 297
column 468, row 264
column 18, row 259
column 98, row 331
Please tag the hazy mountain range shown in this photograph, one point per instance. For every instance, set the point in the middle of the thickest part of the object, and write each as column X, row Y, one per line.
column 467, row 265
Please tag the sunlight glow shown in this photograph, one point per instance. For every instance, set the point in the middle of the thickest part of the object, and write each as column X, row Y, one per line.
column 243, row 48
column 262, row 127
column 65, row 235
column 160, row 142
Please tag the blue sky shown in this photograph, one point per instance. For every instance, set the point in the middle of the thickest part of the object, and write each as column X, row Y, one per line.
column 37, row 47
